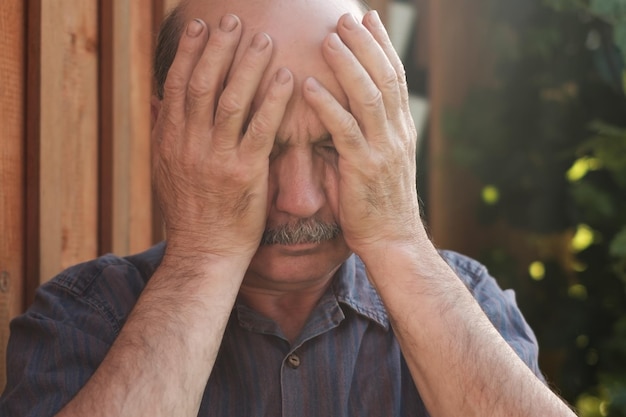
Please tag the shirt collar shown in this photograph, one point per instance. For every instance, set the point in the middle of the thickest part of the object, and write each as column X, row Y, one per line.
column 350, row 287
column 353, row 289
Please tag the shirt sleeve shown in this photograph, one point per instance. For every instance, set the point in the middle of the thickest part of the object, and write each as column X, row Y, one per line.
column 63, row 337
column 500, row 307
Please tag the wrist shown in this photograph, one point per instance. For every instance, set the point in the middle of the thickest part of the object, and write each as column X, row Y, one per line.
column 203, row 248
column 411, row 241
column 416, row 264
column 203, row 260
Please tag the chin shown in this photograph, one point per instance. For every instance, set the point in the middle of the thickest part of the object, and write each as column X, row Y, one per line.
column 294, row 264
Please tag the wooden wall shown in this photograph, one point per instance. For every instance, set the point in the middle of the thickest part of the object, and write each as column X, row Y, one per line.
column 12, row 157
column 457, row 58
column 75, row 87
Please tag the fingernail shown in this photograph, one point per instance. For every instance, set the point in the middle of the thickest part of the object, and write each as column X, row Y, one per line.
column 194, row 28
column 260, row 41
column 350, row 22
column 375, row 18
column 228, row 23
column 283, row 76
column 312, row 85
column 334, row 41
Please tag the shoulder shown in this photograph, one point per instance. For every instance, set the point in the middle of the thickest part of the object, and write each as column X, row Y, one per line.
column 107, row 287
column 57, row 344
column 499, row 305
column 469, row 270
column 481, row 284
column 477, row 279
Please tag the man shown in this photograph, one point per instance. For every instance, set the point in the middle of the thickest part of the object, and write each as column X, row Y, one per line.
column 283, row 144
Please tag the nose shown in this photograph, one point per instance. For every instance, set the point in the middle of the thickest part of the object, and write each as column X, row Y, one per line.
column 299, row 180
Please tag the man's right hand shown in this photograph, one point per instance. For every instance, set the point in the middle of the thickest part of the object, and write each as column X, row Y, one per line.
column 210, row 178
column 211, row 182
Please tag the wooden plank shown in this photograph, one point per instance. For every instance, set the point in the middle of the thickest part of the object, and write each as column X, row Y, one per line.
column 105, row 220
column 382, row 7
column 12, row 160
column 126, row 199
column 457, row 60
column 68, row 133
column 140, row 64
column 33, row 140
column 161, row 9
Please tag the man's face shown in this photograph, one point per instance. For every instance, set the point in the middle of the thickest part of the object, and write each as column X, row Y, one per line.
column 304, row 177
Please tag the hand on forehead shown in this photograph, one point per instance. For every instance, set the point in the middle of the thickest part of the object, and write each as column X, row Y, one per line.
column 297, row 27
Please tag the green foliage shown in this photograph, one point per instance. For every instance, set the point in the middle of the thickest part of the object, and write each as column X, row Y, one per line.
column 548, row 138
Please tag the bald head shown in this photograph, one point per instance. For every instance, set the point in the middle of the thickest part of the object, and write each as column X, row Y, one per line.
column 297, row 28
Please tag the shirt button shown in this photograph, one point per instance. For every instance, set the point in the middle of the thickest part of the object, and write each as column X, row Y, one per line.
column 293, row 361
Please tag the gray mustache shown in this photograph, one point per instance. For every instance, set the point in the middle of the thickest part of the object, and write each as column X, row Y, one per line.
column 302, row 231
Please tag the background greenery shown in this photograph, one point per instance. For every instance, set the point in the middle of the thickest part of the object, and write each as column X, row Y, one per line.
column 547, row 139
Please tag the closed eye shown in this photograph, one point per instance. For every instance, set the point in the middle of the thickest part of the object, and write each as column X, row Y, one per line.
column 328, row 147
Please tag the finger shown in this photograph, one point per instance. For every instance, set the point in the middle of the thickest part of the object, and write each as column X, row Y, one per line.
column 234, row 103
column 261, row 132
column 373, row 58
column 342, row 126
column 187, row 55
column 365, row 99
column 208, row 77
column 372, row 22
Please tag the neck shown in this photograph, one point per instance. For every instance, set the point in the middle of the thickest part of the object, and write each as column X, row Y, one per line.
column 289, row 307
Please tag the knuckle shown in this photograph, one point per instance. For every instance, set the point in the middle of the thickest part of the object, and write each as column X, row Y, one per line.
column 199, row 87
column 275, row 96
column 241, row 175
column 186, row 49
column 229, row 105
column 222, row 41
column 175, row 83
column 260, row 127
column 349, row 130
column 400, row 74
column 390, row 80
column 373, row 99
column 346, row 125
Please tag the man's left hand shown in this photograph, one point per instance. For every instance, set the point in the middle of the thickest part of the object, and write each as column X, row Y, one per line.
column 375, row 137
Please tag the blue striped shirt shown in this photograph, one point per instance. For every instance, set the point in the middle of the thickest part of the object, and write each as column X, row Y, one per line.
column 346, row 362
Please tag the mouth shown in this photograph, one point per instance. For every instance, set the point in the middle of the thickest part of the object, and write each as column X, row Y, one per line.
column 299, row 246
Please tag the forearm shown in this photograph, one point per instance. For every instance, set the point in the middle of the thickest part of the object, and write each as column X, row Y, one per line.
column 459, row 362
column 160, row 363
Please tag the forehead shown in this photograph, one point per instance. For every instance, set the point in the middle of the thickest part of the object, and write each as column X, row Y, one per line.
column 297, row 29
column 265, row 14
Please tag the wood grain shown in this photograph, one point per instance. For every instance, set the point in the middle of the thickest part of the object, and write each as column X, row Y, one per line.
column 68, row 133
column 126, row 199
column 457, row 60
column 12, row 95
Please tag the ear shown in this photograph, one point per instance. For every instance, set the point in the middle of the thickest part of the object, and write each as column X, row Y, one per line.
column 155, row 108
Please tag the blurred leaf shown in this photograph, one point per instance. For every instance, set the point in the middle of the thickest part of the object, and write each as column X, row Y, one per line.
column 596, row 202
column 609, row 147
column 565, row 5
column 615, row 10
column 558, row 68
column 618, row 245
column 619, row 35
